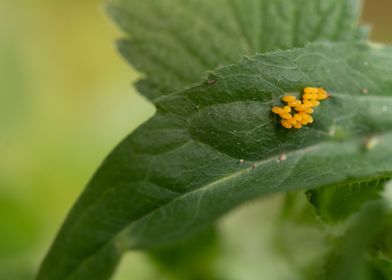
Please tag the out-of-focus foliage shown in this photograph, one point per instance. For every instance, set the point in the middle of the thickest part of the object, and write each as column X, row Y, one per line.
column 64, row 96
column 335, row 203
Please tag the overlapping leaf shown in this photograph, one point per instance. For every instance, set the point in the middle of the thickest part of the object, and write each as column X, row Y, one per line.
column 336, row 203
column 349, row 259
column 183, row 168
column 174, row 42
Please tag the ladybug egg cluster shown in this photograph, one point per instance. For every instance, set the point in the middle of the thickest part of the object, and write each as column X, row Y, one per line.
column 298, row 113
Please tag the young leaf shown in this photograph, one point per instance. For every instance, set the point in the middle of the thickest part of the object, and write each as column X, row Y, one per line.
column 173, row 42
column 213, row 146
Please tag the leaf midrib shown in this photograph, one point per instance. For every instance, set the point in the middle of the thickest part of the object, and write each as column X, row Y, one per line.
column 227, row 177
column 253, row 165
column 201, row 188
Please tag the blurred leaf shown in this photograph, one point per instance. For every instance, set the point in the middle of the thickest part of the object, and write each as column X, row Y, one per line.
column 174, row 42
column 190, row 259
column 19, row 227
column 182, row 169
column 296, row 209
column 336, row 203
column 300, row 230
column 383, row 243
column 18, row 271
column 380, row 269
column 349, row 258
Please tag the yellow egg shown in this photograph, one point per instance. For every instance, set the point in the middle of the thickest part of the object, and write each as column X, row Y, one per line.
column 310, row 90
column 287, row 109
column 308, row 103
column 286, row 124
column 278, row 110
column 304, row 108
column 315, row 103
column 297, row 125
column 322, row 94
column 286, row 116
column 294, row 103
column 309, row 96
column 301, row 108
column 309, row 111
column 297, row 117
column 305, row 117
column 292, row 121
column 289, row 98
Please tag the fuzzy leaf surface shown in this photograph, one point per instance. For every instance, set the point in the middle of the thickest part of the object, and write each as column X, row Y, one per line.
column 183, row 168
column 174, row 42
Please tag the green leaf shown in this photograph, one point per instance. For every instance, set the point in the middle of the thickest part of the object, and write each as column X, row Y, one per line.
column 384, row 242
column 348, row 262
column 300, row 236
column 190, row 259
column 174, row 42
column 335, row 203
column 380, row 269
column 213, row 146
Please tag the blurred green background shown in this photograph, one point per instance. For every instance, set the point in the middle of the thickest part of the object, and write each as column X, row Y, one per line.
column 65, row 101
